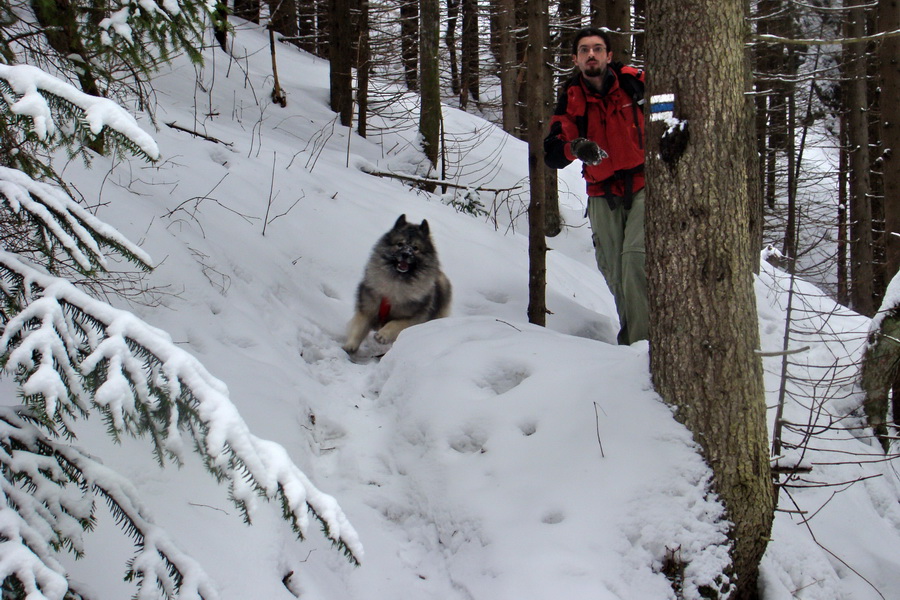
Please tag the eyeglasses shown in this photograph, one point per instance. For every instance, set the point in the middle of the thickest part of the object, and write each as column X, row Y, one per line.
column 588, row 49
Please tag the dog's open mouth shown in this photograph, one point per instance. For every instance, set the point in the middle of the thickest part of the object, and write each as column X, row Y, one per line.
column 402, row 266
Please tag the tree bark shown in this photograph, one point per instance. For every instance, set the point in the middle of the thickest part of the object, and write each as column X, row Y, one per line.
column 340, row 53
column 363, row 65
column 450, row 42
column 247, row 9
column 880, row 369
column 703, row 321
column 430, row 112
column 409, row 42
column 504, row 41
column 538, row 107
column 618, row 13
column 889, row 75
column 306, row 26
column 470, row 63
column 283, row 17
column 862, row 275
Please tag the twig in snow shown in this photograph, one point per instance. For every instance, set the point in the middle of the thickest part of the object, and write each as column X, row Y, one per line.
column 208, row 138
column 597, row 410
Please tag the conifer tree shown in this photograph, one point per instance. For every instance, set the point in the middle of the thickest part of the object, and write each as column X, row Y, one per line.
column 72, row 356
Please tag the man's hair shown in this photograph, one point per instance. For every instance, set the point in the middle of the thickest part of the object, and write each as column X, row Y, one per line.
column 588, row 32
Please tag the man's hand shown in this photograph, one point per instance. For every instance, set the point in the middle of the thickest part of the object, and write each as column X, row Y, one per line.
column 589, row 152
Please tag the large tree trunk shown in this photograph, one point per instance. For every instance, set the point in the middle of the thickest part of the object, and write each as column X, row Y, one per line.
column 889, row 75
column 862, row 274
column 430, row 113
column 340, row 53
column 703, row 321
column 538, row 103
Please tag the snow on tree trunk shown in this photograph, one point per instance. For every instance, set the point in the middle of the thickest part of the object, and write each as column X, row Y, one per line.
column 703, row 321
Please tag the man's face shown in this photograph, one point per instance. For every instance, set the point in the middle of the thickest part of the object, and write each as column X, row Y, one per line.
column 592, row 56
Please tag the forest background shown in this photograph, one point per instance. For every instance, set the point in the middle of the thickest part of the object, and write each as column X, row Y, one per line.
column 795, row 192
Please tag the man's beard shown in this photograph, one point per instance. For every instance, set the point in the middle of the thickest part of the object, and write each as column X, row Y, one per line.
column 594, row 71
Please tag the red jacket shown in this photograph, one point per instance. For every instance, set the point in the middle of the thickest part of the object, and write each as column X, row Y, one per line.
column 614, row 120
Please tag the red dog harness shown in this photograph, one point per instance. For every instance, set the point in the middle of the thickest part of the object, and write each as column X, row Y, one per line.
column 384, row 310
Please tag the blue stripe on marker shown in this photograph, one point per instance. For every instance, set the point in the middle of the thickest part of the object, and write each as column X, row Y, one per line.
column 662, row 107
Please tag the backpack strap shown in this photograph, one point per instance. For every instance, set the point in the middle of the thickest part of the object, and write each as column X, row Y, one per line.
column 626, row 176
column 631, row 80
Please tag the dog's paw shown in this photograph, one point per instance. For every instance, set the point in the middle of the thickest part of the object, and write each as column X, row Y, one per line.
column 350, row 348
column 387, row 334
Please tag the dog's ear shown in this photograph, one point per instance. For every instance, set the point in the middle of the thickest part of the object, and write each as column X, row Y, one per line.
column 400, row 222
column 424, row 227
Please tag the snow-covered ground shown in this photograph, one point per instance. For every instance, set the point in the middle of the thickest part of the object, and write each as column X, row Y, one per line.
column 482, row 458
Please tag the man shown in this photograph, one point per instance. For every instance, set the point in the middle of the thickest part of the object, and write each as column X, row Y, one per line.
column 599, row 120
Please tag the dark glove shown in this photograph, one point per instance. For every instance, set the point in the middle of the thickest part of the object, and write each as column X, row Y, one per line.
column 589, row 152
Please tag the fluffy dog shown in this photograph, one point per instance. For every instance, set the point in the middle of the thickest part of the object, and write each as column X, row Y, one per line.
column 403, row 285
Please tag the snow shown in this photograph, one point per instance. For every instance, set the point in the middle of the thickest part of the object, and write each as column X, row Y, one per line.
column 481, row 457
column 26, row 80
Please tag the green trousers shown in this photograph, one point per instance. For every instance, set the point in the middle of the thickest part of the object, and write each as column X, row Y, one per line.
column 618, row 235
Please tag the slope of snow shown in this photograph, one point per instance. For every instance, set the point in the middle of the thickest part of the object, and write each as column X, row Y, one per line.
column 482, row 457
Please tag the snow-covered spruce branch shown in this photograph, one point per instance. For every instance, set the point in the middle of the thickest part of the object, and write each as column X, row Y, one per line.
column 53, row 219
column 39, row 472
column 29, row 93
column 71, row 353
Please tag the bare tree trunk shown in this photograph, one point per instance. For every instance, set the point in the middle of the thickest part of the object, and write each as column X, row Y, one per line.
column 889, row 76
column 306, row 25
column 283, row 17
column 538, row 104
column 247, row 9
column 220, row 24
column 340, row 53
column 843, row 243
column 615, row 15
column 450, row 41
column 862, row 287
column 363, row 65
column 323, row 30
column 599, row 11
column 430, row 112
column 618, row 15
column 754, row 181
column 521, row 40
column 703, row 321
column 640, row 24
column 469, row 76
column 504, row 22
column 570, row 17
column 409, row 42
